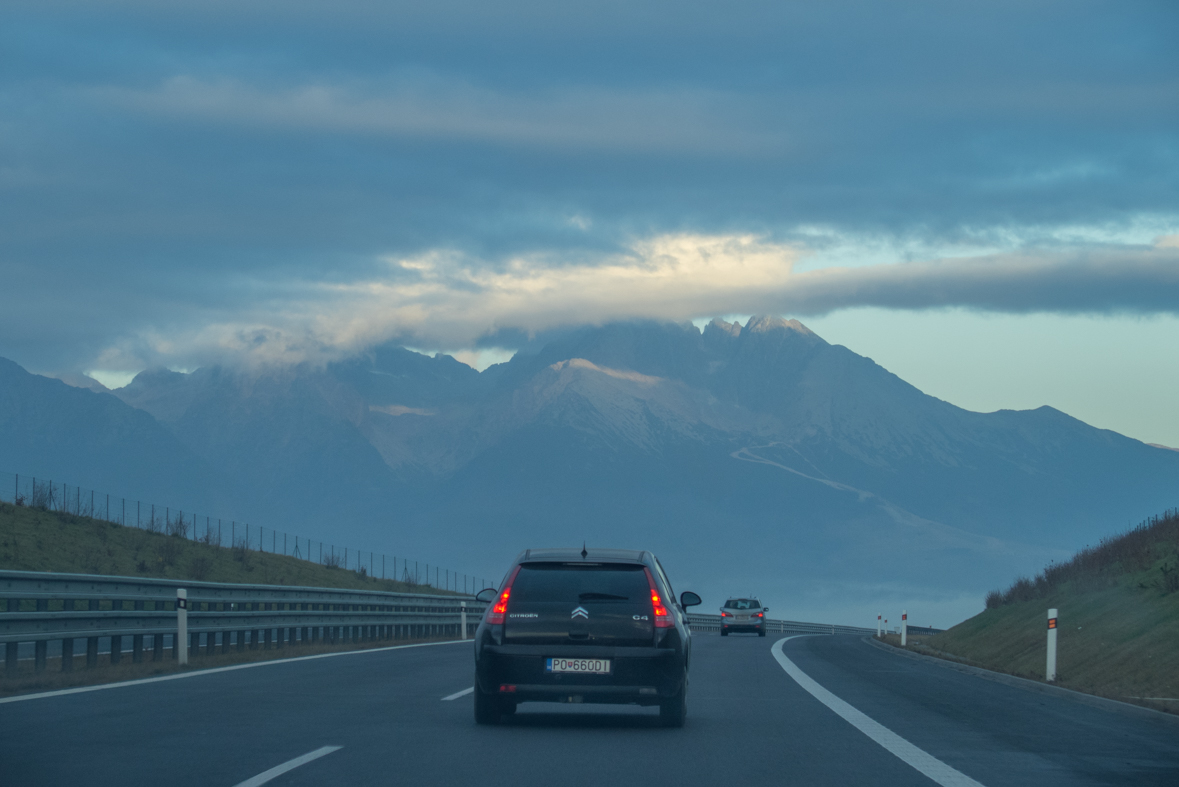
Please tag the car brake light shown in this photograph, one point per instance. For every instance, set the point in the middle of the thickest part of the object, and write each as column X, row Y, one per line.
column 499, row 610
column 663, row 619
column 725, row 614
column 760, row 615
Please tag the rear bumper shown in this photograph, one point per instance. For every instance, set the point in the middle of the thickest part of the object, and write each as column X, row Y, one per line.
column 739, row 627
column 639, row 676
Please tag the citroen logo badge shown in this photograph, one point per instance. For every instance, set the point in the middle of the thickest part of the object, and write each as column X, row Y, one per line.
column 580, row 612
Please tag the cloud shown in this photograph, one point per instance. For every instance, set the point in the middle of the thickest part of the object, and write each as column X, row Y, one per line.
column 445, row 299
column 431, row 106
column 191, row 180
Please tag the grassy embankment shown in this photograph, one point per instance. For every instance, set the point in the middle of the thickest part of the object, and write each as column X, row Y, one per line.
column 1118, row 630
column 37, row 540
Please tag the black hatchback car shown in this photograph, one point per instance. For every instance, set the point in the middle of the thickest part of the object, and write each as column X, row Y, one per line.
column 571, row 625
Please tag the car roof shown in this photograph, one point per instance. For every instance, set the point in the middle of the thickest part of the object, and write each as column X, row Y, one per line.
column 591, row 556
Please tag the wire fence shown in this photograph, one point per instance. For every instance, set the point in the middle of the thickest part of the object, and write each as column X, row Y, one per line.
column 49, row 495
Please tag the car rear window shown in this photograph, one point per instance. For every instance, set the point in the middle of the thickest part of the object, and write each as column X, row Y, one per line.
column 742, row 603
column 580, row 583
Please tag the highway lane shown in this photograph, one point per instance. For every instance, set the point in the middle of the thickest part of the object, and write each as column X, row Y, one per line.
column 749, row 723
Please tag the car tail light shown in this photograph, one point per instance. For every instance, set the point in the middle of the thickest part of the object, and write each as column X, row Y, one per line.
column 663, row 618
column 760, row 615
column 499, row 610
column 725, row 614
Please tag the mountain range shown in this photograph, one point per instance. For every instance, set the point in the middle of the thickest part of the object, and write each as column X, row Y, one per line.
column 752, row 458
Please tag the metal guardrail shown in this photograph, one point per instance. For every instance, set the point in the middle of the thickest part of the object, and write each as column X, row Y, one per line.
column 924, row 630
column 712, row 623
column 42, row 608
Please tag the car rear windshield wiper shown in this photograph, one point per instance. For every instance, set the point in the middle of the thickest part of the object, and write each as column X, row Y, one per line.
column 601, row 597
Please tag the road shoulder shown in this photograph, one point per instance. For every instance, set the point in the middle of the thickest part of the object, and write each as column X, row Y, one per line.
column 1092, row 700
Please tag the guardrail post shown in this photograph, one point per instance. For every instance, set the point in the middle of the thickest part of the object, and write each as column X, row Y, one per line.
column 116, row 641
column 40, row 651
column 137, row 647
column 878, row 624
column 179, row 651
column 463, row 618
column 904, row 627
column 67, row 655
column 1050, row 672
column 10, row 652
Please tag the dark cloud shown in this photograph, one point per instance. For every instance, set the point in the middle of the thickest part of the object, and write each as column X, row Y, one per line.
column 1108, row 280
column 168, row 166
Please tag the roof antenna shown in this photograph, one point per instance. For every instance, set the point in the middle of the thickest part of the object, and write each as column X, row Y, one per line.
column 584, row 554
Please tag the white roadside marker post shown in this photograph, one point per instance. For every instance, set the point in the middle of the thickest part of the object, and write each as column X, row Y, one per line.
column 879, row 618
column 904, row 627
column 1050, row 672
column 463, row 618
column 181, row 643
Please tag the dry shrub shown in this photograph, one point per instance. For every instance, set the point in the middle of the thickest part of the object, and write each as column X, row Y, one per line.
column 1094, row 567
column 170, row 549
column 200, row 567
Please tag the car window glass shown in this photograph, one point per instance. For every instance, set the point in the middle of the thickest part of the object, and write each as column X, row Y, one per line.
column 580, row 583
column 742, row 603
column 666, row 581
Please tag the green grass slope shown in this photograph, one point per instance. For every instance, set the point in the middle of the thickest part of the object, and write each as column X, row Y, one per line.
column 36, row 540
column 1118, row 629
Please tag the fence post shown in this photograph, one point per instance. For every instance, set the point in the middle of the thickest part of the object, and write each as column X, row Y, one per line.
column 904, row 627
column 463, row 618
column 1050, row 672
column 180, row 644
column 878, row 619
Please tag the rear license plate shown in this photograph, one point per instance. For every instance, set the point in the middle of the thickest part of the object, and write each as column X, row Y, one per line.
column 583, row 666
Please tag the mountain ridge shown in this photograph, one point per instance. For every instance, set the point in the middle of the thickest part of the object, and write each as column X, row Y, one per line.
column 650, row 434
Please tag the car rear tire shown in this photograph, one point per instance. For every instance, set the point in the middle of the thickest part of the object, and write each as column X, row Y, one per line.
column 674, row 709
column 724, row 632
column 487, row 708
column 761, row 632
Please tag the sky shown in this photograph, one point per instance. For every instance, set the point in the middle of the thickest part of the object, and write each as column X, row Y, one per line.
column 984, row 198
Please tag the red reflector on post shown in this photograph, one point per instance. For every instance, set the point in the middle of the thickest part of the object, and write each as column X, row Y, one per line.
column 507, row 688
column 1051, row 623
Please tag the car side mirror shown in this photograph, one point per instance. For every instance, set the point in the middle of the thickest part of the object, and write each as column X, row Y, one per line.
column 486, row 594
column 689, row 599
column 765, row 609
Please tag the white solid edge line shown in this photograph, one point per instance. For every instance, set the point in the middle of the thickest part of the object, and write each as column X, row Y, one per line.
column 199, row 673
column 289, row 765
column 458, row 694
column 917, row 758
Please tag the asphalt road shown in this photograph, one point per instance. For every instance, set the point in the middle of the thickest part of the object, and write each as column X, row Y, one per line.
column 749, row 723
